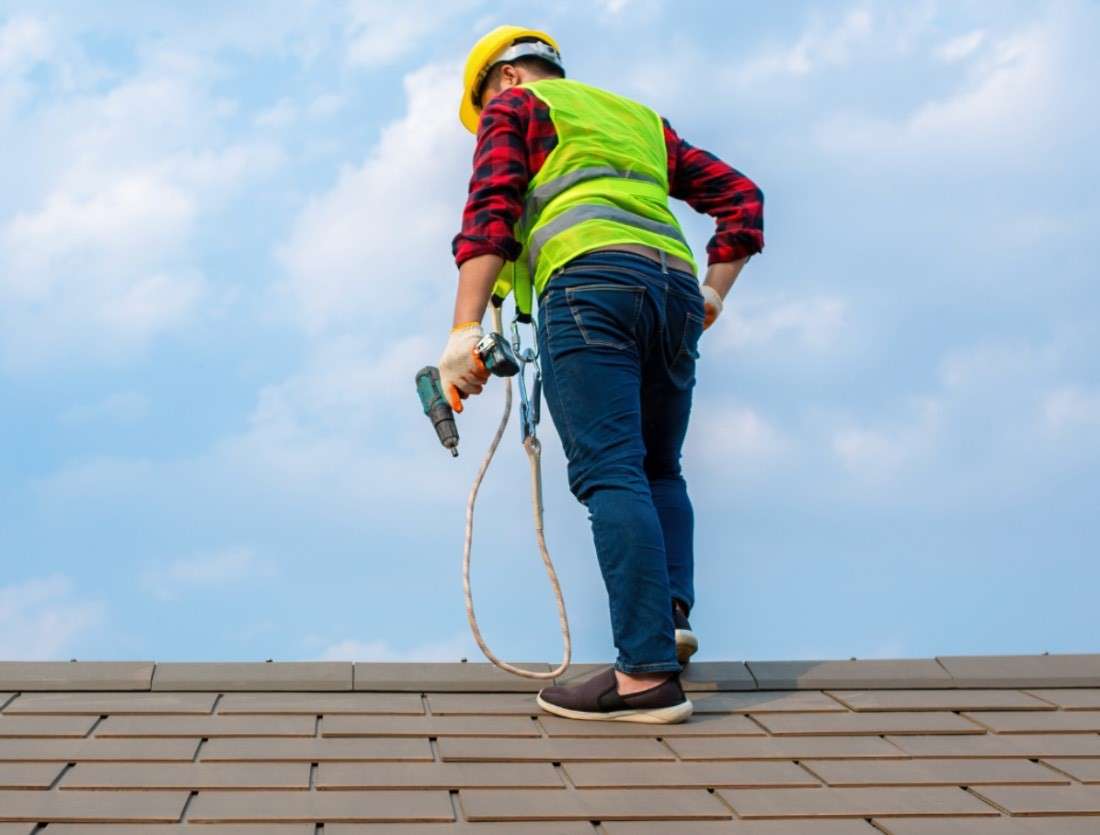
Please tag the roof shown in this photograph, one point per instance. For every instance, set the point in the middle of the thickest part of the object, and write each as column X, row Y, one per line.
column 989, row 746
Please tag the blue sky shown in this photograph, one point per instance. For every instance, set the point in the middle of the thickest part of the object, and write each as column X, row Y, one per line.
column 225, row 250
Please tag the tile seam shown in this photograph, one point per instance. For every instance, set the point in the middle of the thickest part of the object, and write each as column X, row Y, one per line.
column 977, row 794
column 663, row 742
column 191, row 795
column 830, row 695
column 91, row 730
column 56, row 782
column 801, row 764
column 752, row 675
column 1073, row 780
column 734, row 815
column 947, row 672
column 767, row 731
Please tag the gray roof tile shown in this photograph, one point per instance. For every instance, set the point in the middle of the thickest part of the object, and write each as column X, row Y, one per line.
column 876, row 700
column 856, row 803
column 950, row 772
column 285, row 675
column 994, row 826
column 1024, row 670
column 824, row 675
column 591, row 804
column 327, row 703
column 31, row 726
column 867, row 724
column 1043, row 800
column 184, row 829
column 437, row 776
column 28, row 775
column 425, row 726
column 115, row 703
column 802, row 826
column 88, row 806
column 303, row 807
column 75, row 675
column 444, row 677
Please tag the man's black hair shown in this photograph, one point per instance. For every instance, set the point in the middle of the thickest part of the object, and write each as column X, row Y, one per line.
column 529, row 62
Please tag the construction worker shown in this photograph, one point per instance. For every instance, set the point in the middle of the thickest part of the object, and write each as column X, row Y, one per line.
column 568, row 202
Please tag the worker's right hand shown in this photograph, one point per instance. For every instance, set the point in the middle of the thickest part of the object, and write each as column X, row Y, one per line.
column 712, row 305
column 461, row 371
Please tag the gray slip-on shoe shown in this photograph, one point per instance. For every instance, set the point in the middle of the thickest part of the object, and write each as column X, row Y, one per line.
column 598, row 698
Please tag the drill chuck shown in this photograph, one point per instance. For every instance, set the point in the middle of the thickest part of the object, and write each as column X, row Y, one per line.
column 437, row 408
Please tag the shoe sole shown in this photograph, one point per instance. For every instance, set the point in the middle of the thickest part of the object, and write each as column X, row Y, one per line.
column 686, row 645
column 657, row 716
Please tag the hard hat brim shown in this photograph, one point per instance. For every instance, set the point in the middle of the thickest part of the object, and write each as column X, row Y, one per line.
column 468, row 114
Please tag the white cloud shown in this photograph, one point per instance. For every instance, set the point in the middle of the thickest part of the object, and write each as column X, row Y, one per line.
column 729, row 435
column 24, row 41
column 279, row 115
column 120, row 407
column 208, row 571
column 961, row 47
column 879, row 454
column 42, row 619
column 614, row 7
column 326, row 105
column 454, row 648
column 1071, row 408
column 379, row 32
column 1008, row 98
column 98, row 232
column 101, row 478
column 821, row 45
column 378, row 243
column 997, row 364
column 816, row 324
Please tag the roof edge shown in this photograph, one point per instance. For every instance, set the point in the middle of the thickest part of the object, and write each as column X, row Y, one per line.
column 1005, row 671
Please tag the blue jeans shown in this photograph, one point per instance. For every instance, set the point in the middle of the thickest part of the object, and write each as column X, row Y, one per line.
column 618, row 338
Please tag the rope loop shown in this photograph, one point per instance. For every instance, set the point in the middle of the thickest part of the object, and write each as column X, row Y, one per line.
column 534, row 456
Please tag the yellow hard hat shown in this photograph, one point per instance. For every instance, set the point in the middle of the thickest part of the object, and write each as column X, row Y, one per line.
column 499, row 45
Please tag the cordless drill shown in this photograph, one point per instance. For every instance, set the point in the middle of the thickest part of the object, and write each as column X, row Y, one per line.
column 500, row 361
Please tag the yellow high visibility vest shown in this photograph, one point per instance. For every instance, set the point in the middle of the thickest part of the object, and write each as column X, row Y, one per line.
column 605, row 183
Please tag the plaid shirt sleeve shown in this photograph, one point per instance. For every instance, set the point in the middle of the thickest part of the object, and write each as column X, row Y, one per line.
column 709, row 185
column 514, row 138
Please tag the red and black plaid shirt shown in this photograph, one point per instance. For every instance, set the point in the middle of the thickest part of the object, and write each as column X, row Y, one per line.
column 516, row 135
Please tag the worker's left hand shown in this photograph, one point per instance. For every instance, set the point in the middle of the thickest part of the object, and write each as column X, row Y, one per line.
column 461, row 371
column 712, row 305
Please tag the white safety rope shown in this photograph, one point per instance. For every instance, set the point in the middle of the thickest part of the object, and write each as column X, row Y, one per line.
column 534, row 453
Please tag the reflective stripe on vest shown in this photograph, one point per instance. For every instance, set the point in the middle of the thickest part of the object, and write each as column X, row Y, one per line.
column 537, row 199
column 592, row 211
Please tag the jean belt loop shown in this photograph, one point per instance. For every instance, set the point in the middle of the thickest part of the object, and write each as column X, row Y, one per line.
column 664, row 261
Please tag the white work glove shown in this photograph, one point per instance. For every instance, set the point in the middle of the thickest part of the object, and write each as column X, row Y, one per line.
column 461, row 371
column 712, row 305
